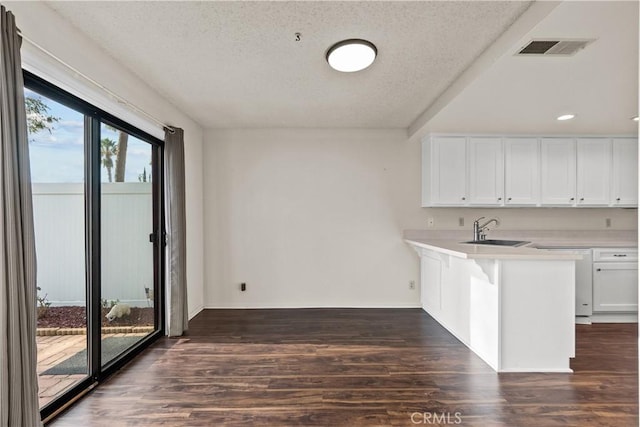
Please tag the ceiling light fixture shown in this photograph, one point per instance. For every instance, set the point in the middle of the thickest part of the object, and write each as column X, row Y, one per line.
column 351, row 55
column 566, row 117
column 634, row 118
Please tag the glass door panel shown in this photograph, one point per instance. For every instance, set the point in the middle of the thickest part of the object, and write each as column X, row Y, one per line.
column 56, row 144
column 127, row 252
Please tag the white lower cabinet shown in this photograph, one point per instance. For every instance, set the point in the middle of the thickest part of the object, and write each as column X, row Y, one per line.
column 489, row 304
column 615, row 280
column 431, row 282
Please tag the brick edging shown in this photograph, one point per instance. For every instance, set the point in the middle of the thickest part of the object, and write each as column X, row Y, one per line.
column 45, row 332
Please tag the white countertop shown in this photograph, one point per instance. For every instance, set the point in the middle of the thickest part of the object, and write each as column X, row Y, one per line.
column 471, row 251
column 450, row 242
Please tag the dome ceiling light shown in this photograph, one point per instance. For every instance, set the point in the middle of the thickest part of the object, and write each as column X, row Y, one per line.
column 351, row 55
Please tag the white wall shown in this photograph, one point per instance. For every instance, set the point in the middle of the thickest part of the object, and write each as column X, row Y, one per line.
column 310, row 218
column 43, row 26
column 313, row 218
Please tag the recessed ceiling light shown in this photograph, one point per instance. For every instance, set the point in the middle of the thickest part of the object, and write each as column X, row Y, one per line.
column 634, row 118
column 566, row 117
column 351, row 55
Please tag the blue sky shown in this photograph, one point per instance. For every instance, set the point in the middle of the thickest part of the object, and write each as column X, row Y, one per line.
column 59, row 156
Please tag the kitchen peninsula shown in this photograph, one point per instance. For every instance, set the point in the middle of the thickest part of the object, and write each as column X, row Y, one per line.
column 513, row 306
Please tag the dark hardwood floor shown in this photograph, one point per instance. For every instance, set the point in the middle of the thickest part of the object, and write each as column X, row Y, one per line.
column 351, row 367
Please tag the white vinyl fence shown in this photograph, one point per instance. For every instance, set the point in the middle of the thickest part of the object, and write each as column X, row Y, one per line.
column 127, row 255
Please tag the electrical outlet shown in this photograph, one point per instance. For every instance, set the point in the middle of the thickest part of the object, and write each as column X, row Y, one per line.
column 461, row 221
column 412, row 284
column 430, row 222
column 607, row 222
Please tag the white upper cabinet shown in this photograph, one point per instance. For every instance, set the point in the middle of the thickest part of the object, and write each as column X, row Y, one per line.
column 558, row 171
column 486, row 171
column 446, row 172
column 624, row 189
column 478, row 170
column 521, row 171
column 593, row 171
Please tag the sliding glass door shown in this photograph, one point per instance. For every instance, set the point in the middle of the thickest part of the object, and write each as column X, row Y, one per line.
column 98, row 211
column 126, row 191
column 56, row 139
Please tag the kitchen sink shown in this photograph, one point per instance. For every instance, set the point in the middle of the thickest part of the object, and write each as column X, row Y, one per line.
column 498, row 242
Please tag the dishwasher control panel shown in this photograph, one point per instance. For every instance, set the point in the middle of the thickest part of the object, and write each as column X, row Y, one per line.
column 615, row 255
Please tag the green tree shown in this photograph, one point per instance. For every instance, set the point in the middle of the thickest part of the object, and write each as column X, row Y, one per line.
column 143, row 177
column 38, row 117
column 108, row 150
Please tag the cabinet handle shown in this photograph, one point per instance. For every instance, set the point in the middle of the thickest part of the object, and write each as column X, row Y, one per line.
column 464, row 198
column 582, row 199
column 509, row 198
column 499, row 198
column 572, row 199
column 618, row 199
column 598, row 269
column 620, row 255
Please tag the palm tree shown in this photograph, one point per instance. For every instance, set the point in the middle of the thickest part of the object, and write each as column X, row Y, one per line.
column 121, row 149
column 121, row 159
column 108, row 150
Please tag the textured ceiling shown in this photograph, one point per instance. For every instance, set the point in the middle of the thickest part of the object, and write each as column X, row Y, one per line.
column 237, row 64
column 525, row 94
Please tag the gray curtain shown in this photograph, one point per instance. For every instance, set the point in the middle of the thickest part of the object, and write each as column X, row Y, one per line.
column 18, row 377
column 177, row 311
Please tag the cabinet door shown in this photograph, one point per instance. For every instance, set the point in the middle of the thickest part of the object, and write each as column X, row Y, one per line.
column 486, row 171
column 558, row 171
column 625, row 172
column 615, row 287
column 521, row 171
column 430, row 283
column 448, row 171
column 593, row 171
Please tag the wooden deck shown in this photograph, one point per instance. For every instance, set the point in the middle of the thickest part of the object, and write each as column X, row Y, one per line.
column 359, row 367
column 53, row 350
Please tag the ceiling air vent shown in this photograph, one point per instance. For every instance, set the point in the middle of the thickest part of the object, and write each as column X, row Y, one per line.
column 554, row 47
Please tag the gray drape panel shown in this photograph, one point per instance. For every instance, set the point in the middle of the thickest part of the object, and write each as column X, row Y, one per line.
column 19, row 381
column 177, row 311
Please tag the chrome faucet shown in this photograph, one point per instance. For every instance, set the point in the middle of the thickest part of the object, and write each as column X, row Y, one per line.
column 478, row 229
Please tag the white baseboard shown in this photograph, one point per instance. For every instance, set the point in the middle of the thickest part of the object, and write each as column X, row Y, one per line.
column 614, row 318
column 552, row 370
column 281, row 307
column 193, row 313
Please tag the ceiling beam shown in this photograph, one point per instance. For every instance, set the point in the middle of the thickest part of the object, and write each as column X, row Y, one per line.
column 525, row 23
